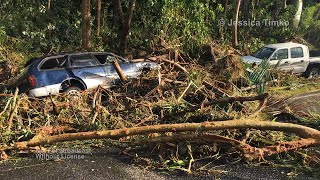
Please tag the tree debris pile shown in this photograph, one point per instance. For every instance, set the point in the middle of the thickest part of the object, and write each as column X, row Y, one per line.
column 176, row 110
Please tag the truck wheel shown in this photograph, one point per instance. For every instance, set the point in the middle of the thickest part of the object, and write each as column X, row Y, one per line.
column 72, row 90
column 312, row 73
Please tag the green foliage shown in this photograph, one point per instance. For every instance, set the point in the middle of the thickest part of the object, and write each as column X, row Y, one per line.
column 3, row 35
column 54, row 30
column 259, row 75
column 169, row 24
column 310, row 24
column 188, row 22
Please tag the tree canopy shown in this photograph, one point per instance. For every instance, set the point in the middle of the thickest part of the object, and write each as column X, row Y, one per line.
column 148, row 25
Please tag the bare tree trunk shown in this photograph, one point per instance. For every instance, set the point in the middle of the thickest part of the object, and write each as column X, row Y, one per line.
column 285, row 4
column 98, row 17
column 118, row 10
column 86, row 29
column 245, row 9
column 225, row 7
column 297, row 16
column 126, row 28
column 125, row 23
column 103, row 9
column 49, row 5
column 235, row 26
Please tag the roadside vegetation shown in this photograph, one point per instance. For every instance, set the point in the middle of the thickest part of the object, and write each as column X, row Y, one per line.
column 202, row 109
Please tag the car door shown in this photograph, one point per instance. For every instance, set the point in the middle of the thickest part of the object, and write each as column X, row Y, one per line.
column 88, row 69
column 107, row 59
column 52, row 71
column 280, row 59
column 299, row 61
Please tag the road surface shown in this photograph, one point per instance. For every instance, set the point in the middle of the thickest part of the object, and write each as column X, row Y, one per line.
column 107, row 163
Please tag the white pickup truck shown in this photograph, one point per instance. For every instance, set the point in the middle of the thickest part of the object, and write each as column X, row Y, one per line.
column 290, row 57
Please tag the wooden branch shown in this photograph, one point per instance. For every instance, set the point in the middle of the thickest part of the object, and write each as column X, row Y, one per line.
column 302, row 131
column 260, row 97
column 185, row 91
column 154, row 58
column 15, row 105
column 119, row 71
column 249, row 153
column 175, row 64
column 6, row 95
column 214, row 89
column 163, row 58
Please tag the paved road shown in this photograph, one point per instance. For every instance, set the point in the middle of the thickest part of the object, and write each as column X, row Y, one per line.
column 108, row 164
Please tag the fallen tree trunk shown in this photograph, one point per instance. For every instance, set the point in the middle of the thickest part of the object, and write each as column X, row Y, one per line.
column 302, row 131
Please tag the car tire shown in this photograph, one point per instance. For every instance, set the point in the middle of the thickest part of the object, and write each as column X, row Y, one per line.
column 73, row 90
column 312, row 73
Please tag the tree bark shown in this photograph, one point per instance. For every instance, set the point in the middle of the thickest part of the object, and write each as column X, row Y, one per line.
column 235, row 26
column 98, row 17
column 226, row 2
column 285, row 4
column 118, row 10
column 49, row 5
column 126, row 28
column 103, row 9
column 119, row 71
column 86, row 29
column 124, row 23
column 297, row 16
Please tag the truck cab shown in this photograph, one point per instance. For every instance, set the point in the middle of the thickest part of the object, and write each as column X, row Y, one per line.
column 290, row 57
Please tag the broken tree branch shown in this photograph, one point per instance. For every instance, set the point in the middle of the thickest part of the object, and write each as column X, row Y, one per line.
column 119, row 71
column 249, row 153
column 15, row 105
column 302, row 131
column 260, row 97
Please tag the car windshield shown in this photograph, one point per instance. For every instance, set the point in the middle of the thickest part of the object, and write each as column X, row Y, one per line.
column 263, row 53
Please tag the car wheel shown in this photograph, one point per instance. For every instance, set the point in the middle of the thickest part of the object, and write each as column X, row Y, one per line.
column 72, row 90
column 313, row 73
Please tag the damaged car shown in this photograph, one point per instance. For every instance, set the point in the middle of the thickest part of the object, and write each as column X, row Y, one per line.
column 74, row 72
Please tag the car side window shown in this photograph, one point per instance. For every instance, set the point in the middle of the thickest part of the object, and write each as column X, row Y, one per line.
column 102, row 58
column 82, row 61
column 50, row 64
column 280, row 54
column 296, row 52
column 111, row 59
column 54, row 63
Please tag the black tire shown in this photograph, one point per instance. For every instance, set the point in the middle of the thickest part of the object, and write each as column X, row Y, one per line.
column 72, row 90
column 312, row 72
